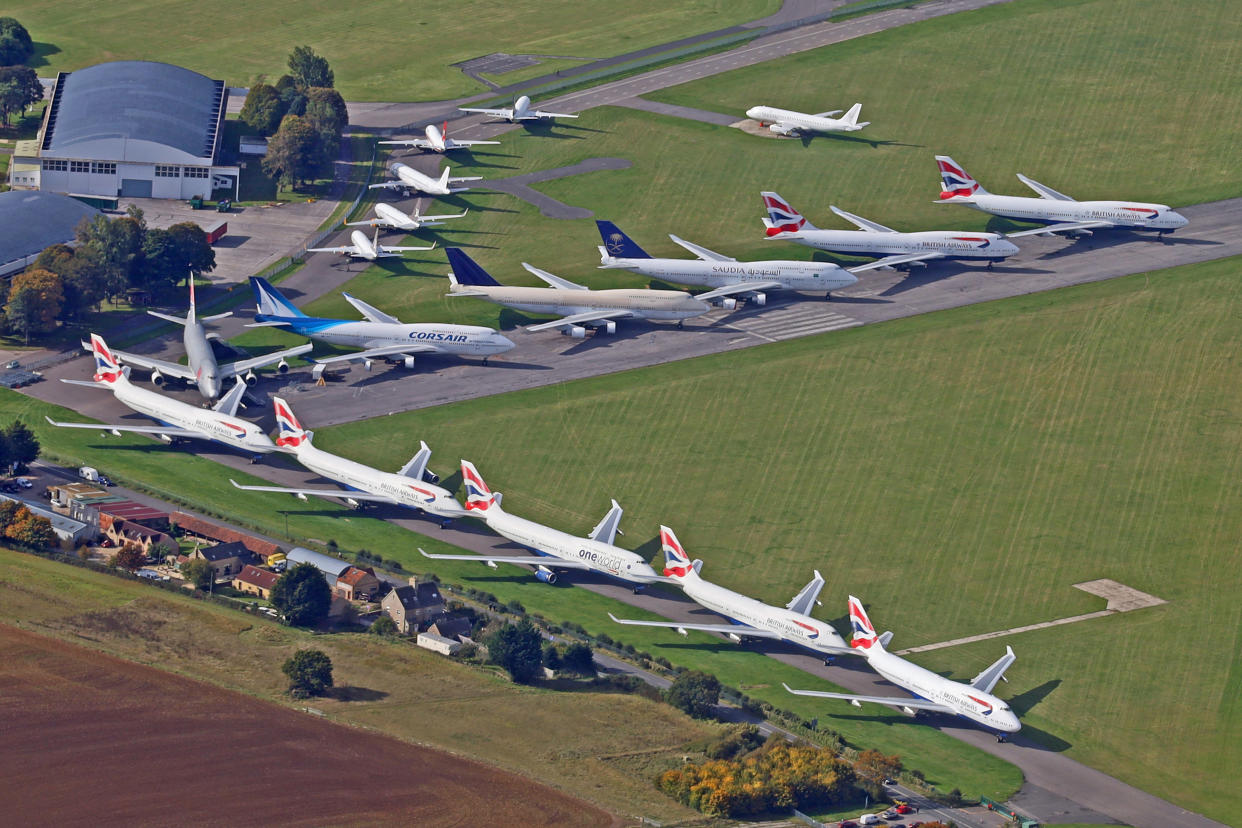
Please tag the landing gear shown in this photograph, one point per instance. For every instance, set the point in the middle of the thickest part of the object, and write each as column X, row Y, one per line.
column 255, row 458
column 827, row 297
column 444, row 524
column 484, row 360
column 829, row 661
column 989, row 265
column 681, row 323
column 1000, row 738
column 638, row 590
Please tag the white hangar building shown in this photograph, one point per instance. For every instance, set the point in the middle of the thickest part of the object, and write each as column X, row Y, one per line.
column 133, row 129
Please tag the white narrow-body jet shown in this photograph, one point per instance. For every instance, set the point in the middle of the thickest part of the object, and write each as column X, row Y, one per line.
column 379, row 335
column 363, row 484
column 751, row 619
column 931, row 691
column 437, row 140
column 388, row 217
column 178, row 420
column 554, row 549
column 201, row 367
column 409, row 180
column 520, row 111
column 1058, row 212
column 367, row 249
column 784, row 223
column 789, row 122
column 730, row 279
column 582, row 307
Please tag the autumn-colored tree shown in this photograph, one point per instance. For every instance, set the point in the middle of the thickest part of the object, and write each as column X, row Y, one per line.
column 35, row 299
column 31, row 530
column 872, row 768
column 130, row 556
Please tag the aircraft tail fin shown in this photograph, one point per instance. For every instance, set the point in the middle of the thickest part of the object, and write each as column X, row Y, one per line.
column 291, row 435
column 864, row 633
column 478, row 496
column 466, row 270
column 955, row 181
column 782, row 218
column 269, row 301
column 677, row 563
column 851, row 116
column 444, row 178
column 618, row 244
column 107, row 367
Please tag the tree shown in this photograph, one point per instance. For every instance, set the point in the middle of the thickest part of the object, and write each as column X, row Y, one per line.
column 293, row 152
column 308, row 68
column 78, row 274
column 194, row 254
column 35, row 299
column 579, row 659
column 129, row 557
column 872, row 768
column 326, row 112
column 200, row 573
column 517, row 648
column 31, row 530
column 309, row 672
column 551, row 656
column 302, row 595
column 19, row 88
column 21, row 446
column 15, row 43
column 695, row 692
column 114, row 248
column 384, row 625
column 263, row 108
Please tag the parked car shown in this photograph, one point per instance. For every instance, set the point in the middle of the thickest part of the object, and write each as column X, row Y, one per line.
column 25, row 483
column 869, row 819
column 104, row 481
column 149, row 574
column 891, row 813
column 905, row 808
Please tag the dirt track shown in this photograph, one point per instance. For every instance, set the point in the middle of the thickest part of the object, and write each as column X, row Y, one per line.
column 89, row 739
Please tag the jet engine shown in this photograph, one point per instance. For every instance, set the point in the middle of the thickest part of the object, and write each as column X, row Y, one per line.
column 251, row 379
column 282, row 367
column 783, row 130
column 366, row 364
column 608, row 327
column 575, row 331
column 728, row 303
column 759, row 298
column 408, row 362
column 353, row 504
column 166, row 438
column 544, row 574
column 157, row 378
column 736, row 638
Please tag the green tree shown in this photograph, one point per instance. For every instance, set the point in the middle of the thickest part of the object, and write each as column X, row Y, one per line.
column 114, row 248
column 326, row 112
column 384, row 625
column 19, row 88
column 35, row 300
column 302, row 595
column 78, row 276
column 15, row 43
column 579, row 659
column 194, row 253
column 21, row 447
column 517, row 648
column 309, row 69
column 551, row 656
column 200, row 573
column 695, row 692
column 309, row 672
column 293, row 152
column 129, row 557
column 263, row 108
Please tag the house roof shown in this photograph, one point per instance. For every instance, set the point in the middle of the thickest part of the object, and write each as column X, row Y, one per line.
column 207, row 529
column 129, row 510
column 257, row 577
column 423, row 595
column 354, row 576
column 450, row 625
column 224, row 551
column 137, row 530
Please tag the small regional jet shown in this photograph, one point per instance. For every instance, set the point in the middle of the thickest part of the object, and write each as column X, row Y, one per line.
column 437, row 141
column 178, row 420
column 379, row 335
column 413, row 486
column 202, row 368
column 750, row 618
column 388, row 217
column 1058, row 211
column 521, row 111
column 553, row 548
column 871, row 239
column 411, row 180
column 730, row 278
column 787, row 122
column 972, row 701
column 368, row 249
column 585, row 308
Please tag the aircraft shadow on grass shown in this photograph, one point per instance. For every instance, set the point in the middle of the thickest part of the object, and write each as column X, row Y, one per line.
column 875, row 143
column 557, row 129
column 1023, row 703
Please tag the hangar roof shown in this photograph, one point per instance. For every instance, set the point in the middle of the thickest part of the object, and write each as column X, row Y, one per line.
column 31, row 220
column 134, row 110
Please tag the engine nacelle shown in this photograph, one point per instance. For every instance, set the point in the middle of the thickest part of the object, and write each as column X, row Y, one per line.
column 544, row 574
column 760, row 298
column 282, row 367
column 157, row 378
column 366, row 364
column 735, row 637
column 408, row 362
column 782, row 130
column 165, row 437
column 353, row 504
column 728, row 303
column 431, row 477
column 575, row 332
column 608, row 327
column 251, row 378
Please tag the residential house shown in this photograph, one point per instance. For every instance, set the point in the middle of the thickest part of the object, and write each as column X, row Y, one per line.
column 196, row 527
column 254, row 581
column 453, row 626
column 227, row 559
column 356, row 584
column 121, row 532
column 414, row 604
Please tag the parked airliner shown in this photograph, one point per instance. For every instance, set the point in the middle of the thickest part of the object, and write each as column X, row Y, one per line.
column 437, row 141
column 368, row 249
column 410, row 180
column 521, row 111
column 788, row 122
column 388, row 217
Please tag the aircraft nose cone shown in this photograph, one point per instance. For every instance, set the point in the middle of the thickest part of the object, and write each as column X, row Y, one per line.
column 503, row 342
column 1178, row 219
column 750, row 113
column 1008, row 247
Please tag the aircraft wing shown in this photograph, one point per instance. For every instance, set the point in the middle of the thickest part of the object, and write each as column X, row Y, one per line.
column 242, row 366
column 394, row 249
column 554, row 281
column 342, row 493
column 581, row 319
column 455, row 143
column 495, row 113
column 389, row 185
column 702, row 252
column 860, row 222
column 832, row 114
column 227, row 404
column 806, row 600
column 890, row 261
column 724, row 629
column 1044, row 191
column 733, row 290
column 538, row 113
column 344, row 250
column 1064, row 227
column 891, row 701
column 421, row 143
column 372, row 313
column 372, row 353
column 532, row 560
column 167, row 431
column 171, row 369
column 986, row 680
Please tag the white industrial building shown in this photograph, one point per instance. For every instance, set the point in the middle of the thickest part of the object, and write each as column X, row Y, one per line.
column 130, row 129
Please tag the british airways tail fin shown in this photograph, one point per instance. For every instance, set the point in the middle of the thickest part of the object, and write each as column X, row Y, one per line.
column 291, row 434
column 269, row 301
column 864, row 633
column 107, row 368
column 955, row 182
column 478, row 496
column 466, row 270
column 677, row 563
column 782, row 218
column 617, row 244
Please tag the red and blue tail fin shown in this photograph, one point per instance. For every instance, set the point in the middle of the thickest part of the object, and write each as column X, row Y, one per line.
column 107, row 368
column 864, row 633
column 955, row 181
column 677, row 563
column 291, row 434
column 478, row 496
column 782, row 218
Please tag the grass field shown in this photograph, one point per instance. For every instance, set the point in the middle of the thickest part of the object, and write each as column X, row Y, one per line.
column 378, row 51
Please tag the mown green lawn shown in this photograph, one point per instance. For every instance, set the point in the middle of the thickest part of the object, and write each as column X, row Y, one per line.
column 378, row 51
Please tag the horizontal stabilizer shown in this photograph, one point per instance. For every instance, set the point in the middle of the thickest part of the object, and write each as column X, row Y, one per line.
column 180, row 320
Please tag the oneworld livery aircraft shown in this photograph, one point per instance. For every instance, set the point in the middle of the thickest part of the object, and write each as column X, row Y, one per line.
column 972, row 701
column 1060, row 212
column 559, row 550
column 751, row 619
column 785, row 223
column 408, row 487
column 380, row 335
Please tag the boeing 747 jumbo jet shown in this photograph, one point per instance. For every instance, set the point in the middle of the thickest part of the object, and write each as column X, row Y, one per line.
column 407, row 487
column 437, row 141
column 202, row 368
column 368, row 249
column 729, row 277
column 559, row 550
column 972, row 701
column 380, row 335
column 178, row 419
column 388, row 217
column 871, row 239
column 786, row 122
column 585, row 308
column 521, row 111
column 751, row 618
column 1060, row 212
column 411, row 180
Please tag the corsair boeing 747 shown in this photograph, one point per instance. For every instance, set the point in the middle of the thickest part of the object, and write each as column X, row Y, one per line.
column 559, row 550
column 1060, row 212
column 972, row 701
column 788, row 122
column 407, row 487
column 751, row 618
